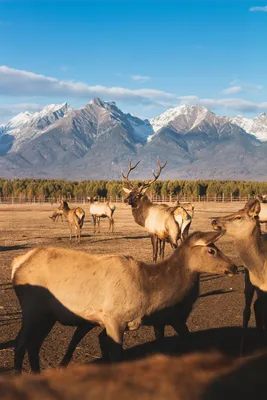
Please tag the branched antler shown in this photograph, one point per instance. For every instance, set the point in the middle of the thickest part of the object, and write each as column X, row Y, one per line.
column 156, row 176
column 130, row 168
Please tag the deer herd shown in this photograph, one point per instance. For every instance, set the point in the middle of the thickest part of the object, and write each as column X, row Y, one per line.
column 119, row 292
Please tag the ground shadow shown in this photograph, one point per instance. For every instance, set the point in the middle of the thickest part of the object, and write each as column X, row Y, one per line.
column 11, row 248
column 226, row 340
column 216, row 292
column 7, row 345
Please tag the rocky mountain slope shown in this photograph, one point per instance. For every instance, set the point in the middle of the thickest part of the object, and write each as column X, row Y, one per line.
column 97, row 141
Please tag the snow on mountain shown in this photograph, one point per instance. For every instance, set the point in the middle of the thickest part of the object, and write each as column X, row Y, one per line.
column 142, row 128
column 256, row 126
column 25, row 125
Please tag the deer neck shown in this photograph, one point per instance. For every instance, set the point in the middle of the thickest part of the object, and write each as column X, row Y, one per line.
column 251, row 250
column 167, row 282
column 140, row 213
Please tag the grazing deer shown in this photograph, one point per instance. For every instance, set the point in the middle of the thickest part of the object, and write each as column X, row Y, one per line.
column 101, row 210
column 56, row 215
column 114, row 291
column 163, row 223
column 243, row 226
column 74, row 216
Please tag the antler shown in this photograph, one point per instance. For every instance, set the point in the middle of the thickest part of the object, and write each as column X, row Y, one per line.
column 130, row 168
column 156, row 176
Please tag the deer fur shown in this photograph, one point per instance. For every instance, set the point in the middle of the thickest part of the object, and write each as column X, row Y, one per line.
column 114, row 291
column 56, row 215
column 195, row 376
column 101, row 210
column 74, row 216
column 163, row 223
column 263, row 211
column 189, row 207
column 244, row 227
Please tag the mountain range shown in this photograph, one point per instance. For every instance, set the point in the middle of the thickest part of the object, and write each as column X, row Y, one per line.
column 97, row 141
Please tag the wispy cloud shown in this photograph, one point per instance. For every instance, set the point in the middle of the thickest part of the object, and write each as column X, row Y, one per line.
column 262, row 9
column 229, row 104
column 232, row 90
column 9, row 110
column 140, row 78
column 64, row 68
column 15, row 82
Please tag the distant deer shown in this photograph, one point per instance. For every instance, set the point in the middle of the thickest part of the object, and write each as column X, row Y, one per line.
column 163, row 223
column 243, row 226
column 101, row 210
column 74, row 216
column 190, row 207
column 56, row 215
column 114, row 291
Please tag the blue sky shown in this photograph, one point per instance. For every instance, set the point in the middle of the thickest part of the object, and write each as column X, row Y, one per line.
column 146, row 56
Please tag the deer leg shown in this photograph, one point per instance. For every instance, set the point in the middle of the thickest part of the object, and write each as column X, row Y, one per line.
column 20, row 348
column 249, row 293
column 36, row 340
column 112, row 225
column 154, row 241
column 70, row 226
column 98, row 224
column 180, row 327
column 94, row 221
column 115, row 333
column 103, row 343
column 78, row 335
column 162, row 249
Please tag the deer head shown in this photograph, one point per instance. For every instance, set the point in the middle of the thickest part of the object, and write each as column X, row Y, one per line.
column 135, row 194
column 241, row 223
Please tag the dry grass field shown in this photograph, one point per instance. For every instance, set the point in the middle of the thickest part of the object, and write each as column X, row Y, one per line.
column 215, row 322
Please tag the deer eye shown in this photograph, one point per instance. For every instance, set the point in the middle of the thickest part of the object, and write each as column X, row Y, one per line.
column 238, row 218
column 211, row 251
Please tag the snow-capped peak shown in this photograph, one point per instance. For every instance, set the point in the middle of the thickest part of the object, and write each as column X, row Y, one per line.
column 190, row 114
column 255, row 126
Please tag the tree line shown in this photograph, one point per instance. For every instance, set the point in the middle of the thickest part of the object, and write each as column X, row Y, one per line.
column 54, row 189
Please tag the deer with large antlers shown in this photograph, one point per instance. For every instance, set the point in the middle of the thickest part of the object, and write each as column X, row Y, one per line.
column 162, row 222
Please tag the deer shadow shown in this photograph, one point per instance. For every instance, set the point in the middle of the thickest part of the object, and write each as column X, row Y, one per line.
column 15, row 247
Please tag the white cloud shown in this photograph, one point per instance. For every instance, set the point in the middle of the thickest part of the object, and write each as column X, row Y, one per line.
column 8, row 111
column 262, row 9
column 232, row 104
column 140, row 78
column 15, row 82
column 232, row 90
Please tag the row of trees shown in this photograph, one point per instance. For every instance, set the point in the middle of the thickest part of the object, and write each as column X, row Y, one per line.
column 44, row 189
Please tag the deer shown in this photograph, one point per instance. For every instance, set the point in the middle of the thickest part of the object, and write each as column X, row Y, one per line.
column 244, row 227
column 56, row 215
column 263, row 211
column 190, row 207
column 195, row 376
column 114, row 291
column 101, row 210
column 74, row 216
column 163, row 223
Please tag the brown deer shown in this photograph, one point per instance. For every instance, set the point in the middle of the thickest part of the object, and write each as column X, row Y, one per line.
column 163, row 223
column 74, row 216
column 263, row 211
column 195, row 376
column 101, row 210
column 56, row 215
column 114, row 291
column 190, row 207
column 244, row 227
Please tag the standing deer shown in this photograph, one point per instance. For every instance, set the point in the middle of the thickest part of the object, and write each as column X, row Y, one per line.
column 56, row 215
column 101, row 210
column 244, row 227
column 114, row 291
column 163, row 223
column 74, row 216
column 187, row 206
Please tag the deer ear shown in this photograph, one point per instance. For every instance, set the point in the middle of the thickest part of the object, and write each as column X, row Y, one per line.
column 253, row 207
column 206, row 238
column 126, row 190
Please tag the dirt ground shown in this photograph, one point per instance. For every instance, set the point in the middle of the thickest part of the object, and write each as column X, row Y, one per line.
column 215, row 321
